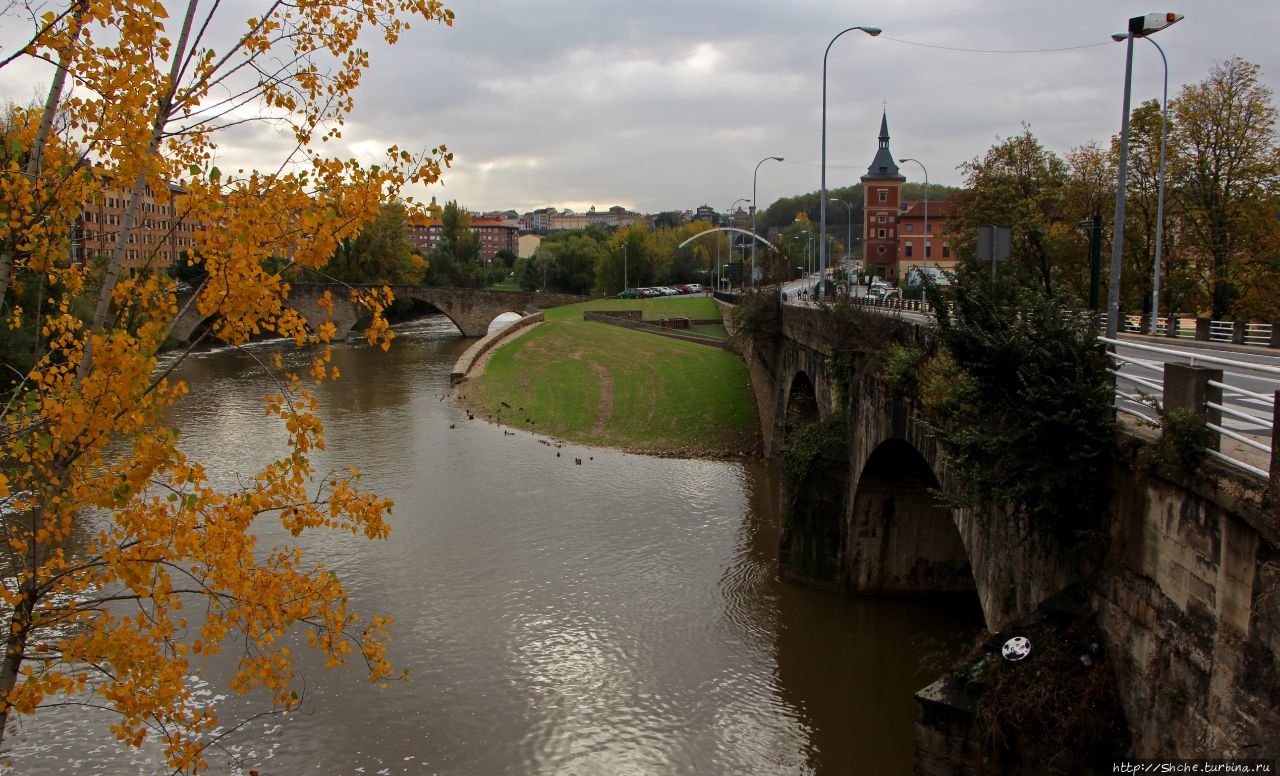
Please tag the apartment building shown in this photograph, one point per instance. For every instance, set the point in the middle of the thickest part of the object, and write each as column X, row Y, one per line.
column 495, row 235
column 160, row 236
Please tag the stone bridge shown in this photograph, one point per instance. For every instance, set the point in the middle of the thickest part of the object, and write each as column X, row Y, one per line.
column 1186, row 590
column 470, row 309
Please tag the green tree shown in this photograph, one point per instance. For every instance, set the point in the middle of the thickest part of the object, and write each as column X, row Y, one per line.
column 455, row 260
column 1028, row 420
column 1021, row 185
column 380, row 253
column 566, row 261
column 1227, row 166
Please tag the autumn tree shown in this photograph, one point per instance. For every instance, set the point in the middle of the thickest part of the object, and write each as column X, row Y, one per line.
column 83, row 446
column 1021, row 185
column 1227, row 170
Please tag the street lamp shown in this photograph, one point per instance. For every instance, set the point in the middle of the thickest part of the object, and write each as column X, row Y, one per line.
column 822, row 196
column 848, row 235
column 625, row 286
column 1164, row 116
column 753, row 214
column 925, row 270
column 1139, row 27
column 729, row 213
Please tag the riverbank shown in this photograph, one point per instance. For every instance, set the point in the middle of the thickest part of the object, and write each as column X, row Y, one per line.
column 589, row 383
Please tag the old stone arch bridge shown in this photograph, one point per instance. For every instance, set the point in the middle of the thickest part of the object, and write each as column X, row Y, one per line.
column 470, row 309
column 1185, row 588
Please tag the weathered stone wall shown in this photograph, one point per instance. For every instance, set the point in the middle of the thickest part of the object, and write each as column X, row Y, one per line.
column 467, row 361
column 1186, row 590
column 1189, row 601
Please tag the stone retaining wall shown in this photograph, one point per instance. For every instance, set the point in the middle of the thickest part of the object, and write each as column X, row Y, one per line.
column 649, row 328
column 472, row 354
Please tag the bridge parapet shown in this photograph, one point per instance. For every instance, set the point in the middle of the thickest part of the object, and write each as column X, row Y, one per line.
column 470, row 309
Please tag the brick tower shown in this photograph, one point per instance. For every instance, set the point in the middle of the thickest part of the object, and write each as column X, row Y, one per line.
column 882, row 195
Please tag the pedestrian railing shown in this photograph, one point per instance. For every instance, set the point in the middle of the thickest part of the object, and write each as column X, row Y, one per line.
column 1237, row 399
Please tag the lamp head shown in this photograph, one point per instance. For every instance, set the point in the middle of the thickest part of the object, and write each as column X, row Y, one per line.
column 776, row 158
column 872, row 31
column 1142, row 26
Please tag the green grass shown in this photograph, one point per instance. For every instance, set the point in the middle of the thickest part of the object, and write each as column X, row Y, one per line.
column 507, row 285
column 596, row 384
column 716, row 330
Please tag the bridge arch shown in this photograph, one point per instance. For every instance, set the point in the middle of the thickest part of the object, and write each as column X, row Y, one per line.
column 901, row 540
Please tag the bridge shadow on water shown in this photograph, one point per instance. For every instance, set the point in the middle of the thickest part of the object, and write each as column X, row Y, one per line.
column 846, row 667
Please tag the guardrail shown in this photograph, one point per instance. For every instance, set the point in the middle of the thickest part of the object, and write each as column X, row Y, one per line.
column 1265, row 335
column 1214, row 388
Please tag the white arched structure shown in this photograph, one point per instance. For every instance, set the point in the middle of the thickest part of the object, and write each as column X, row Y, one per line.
column 752, row 235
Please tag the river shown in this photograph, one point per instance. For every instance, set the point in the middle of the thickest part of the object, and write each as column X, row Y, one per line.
column 618, row 616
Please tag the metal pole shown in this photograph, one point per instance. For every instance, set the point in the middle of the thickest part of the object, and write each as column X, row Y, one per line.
column 822, row 195
column 754, row 175
column 1164, row 114
column 1117, row 231
column 925, row 241
column 625, row 285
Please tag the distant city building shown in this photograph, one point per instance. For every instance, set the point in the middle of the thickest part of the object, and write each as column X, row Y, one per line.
column 551, row 220
column 494, row 236
column 160, row 236
column 528, row 244
column 706, row 213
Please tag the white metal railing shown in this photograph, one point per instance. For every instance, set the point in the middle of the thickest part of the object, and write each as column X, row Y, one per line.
column 1251, row 410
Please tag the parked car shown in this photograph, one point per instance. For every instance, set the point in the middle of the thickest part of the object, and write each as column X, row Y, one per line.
column 631, row 293
column 695, row 288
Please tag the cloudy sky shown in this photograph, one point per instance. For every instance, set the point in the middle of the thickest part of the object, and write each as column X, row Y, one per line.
column 668, row 105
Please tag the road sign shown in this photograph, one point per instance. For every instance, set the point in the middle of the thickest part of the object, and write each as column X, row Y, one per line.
column 994, row 244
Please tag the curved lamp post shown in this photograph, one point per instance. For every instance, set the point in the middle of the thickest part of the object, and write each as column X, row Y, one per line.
column 729, row 211
column 1139, row 27
column 822, row 196
column 924, row 271
column 753, row 214
column 1164, row 122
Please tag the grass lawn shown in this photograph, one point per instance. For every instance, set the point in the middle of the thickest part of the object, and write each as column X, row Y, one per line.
column 596, row 384
column 507, row 285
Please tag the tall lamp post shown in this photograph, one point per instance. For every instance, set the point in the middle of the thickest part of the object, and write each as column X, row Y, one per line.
column 925, row 270
column 625, row 286
column 1164, row 123
column 1139, row 27
column 729, row 212
column 822, row 195
column 848, row 235
column 753, row 214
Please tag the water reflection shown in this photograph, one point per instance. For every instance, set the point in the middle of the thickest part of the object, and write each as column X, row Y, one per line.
column 621, row 616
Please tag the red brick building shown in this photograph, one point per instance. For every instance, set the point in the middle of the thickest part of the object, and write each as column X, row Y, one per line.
column 911, row 242
column 882, row 197
column 159, row 238
column 494, row 236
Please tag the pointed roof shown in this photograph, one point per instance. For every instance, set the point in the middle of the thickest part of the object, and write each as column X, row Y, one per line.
column 883, row 168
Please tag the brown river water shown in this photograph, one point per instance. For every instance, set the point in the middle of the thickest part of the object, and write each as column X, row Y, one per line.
column 622, row 616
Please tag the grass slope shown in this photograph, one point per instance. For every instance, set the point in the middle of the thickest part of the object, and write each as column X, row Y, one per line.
column 596, row 384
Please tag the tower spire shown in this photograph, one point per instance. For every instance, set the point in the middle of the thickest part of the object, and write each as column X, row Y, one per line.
column 882, row 166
